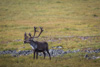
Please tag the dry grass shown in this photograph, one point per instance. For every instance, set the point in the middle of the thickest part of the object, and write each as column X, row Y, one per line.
column 69, row 60
column 59, row 18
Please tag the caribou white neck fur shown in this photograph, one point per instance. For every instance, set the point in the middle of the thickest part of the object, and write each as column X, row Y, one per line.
column 33, row 45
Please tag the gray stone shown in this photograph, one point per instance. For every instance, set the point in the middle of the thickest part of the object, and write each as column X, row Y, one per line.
column 59, row 47
column 68, row 51
column 86, row 56
column 53, row 52
column 93, row 57
column 65, row 52
column 89, row 58
column 98, row 57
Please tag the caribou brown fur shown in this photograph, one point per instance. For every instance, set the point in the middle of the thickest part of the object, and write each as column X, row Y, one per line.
column 36, row 45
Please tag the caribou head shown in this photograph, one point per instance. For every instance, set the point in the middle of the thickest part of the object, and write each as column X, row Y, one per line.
column 28, row 39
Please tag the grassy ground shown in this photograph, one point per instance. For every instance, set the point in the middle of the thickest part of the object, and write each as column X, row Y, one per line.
column 59, row 18
column 69, row 60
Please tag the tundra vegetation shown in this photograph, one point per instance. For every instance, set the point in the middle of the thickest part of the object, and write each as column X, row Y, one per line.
column 71, row 24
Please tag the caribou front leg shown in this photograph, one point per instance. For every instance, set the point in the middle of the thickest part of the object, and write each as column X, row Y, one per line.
column 34, row 55
column 37, row 55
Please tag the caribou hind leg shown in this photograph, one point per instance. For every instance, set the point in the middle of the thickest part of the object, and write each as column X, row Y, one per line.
column 34, row 55
column 44, row 54
column 49, row 54
column 37, row 55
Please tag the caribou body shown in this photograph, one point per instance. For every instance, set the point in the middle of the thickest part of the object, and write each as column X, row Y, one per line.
column 36, row 45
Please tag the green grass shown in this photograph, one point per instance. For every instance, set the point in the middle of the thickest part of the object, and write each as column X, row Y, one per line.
column 59, row 18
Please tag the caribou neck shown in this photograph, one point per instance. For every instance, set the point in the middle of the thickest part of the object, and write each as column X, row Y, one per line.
column 33, row 45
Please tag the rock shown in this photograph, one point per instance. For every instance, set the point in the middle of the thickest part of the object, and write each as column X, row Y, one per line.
column 74, row 51
column 59, row 47
column 89, row 58
column 97, row 50
column 53, row 52
column 14, row 55
column 60, row 51
column 84, row 38
column 68, row 51
column 18, row 40
column 98, row 57
column 65, row 52
column 86, row 56
column 40, row 54
column 93, row 57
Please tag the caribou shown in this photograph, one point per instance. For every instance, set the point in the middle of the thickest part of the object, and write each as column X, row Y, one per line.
column 36, row 45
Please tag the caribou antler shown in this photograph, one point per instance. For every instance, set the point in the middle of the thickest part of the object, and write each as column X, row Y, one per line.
column 35, row 31
column 39, row 33
column 29, row 34
column 25, row 35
